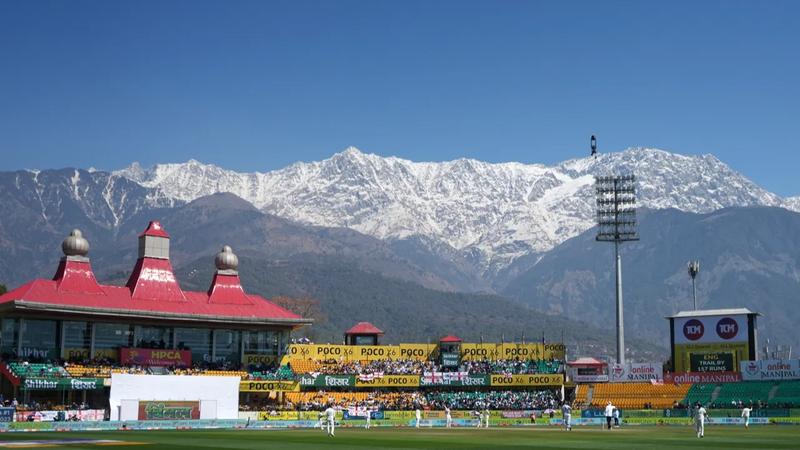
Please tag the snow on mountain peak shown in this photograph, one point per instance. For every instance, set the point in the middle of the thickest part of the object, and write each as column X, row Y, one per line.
column 499, row 210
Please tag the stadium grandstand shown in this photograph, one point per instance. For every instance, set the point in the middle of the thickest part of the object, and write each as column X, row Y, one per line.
column 72, row 345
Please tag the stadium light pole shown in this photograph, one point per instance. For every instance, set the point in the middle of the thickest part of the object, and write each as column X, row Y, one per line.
column 694, row 269
column 616, row 222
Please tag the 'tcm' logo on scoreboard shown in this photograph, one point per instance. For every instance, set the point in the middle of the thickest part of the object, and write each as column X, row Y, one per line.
column 693, row 329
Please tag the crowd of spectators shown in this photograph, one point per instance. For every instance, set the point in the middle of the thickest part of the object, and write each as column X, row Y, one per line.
column 386, row 367
column 512, row 366
column 410, row 400
column 514, row 400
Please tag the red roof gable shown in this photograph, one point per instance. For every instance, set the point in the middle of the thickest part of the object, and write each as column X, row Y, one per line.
column 152, row 279
column 152, row 291
column 450, row 338
column 586, row 361
column 226, row 289
column 154, row 228
column 76, row 276
column 119, row 299
column 364, row 328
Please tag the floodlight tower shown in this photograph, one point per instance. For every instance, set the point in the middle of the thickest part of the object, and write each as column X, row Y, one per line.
column 694, row 269
column 616, row 222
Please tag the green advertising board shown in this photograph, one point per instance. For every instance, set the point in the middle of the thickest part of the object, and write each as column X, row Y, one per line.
column 63, row 384
column 328, row 380
column 469, row 380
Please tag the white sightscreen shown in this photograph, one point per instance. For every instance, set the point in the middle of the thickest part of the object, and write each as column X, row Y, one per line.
column 220, row 395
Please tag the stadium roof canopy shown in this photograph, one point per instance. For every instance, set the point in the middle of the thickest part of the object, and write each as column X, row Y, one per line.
column 586, row 361
column 152, row 291
column 364, row 328
column 712, row 312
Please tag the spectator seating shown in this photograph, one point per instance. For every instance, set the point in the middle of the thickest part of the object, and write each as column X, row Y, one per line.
column 747, row 392
column 700, row 392
column 38, row 370
column 637, row 395
column 788, row 393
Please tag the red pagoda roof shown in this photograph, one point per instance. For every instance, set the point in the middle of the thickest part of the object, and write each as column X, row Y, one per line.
column 364, row 328
column 152, row 292
column 154, row 228
column 451, row 338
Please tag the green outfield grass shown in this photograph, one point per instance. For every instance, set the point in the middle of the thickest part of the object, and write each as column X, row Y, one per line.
column 638, row 437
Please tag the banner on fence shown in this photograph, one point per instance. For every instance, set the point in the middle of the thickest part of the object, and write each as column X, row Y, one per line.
column 169, row 410
column 328, row 380
column 636, row 372
column 389, row 381
column 64, row 384
column 527, row 380
column 770, row 369
column 453, row 379
column 702, row 377
column 269, row 386
column 155, row 357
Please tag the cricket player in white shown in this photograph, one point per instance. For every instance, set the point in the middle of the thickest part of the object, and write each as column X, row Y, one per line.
column 566, row 412
column 418, row 414
column 486, row 415
column 448, row 417
column 369, row 417
column 609, row 413
column 746, row 416
column 700, row 420
column 330, row 416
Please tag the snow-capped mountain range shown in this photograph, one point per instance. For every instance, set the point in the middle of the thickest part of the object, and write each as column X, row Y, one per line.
column 496, row 213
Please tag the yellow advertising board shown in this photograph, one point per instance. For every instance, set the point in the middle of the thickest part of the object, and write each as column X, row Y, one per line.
column 684, row 352
column 418, row 352
column 554, row 351
column 422, row 352
column 374, row 352
column 278, row 415
column 390, row 381
column 259, row 359
column 479, row 352
column 269, row 386
column 527, row 380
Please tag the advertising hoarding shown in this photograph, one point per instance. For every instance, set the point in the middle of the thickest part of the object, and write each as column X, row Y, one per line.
column 770, row 369
column 636, row 372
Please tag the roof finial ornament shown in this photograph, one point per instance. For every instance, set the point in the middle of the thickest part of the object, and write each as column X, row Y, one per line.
column 75, row 245
column 226, row 260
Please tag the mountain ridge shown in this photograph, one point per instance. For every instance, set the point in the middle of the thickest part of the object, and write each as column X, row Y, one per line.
column 494, row 213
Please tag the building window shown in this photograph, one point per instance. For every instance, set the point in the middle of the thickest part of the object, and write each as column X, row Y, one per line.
column 109, row 337
column 9, row 338
column 39, row 340
column 77, row 340
column 198, row 340
column 153, row 337
column 227, row 347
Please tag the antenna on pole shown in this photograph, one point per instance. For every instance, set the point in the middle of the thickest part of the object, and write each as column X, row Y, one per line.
column 694, row 269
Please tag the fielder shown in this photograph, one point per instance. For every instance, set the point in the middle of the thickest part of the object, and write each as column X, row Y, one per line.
column 566, row 412
column 486, row 415
column 746, row 416
column 330, row 415
column 418, row 414
column 700, row 420
column 448, row 417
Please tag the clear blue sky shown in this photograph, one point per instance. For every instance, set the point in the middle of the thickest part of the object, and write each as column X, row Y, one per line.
column 258, row 85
